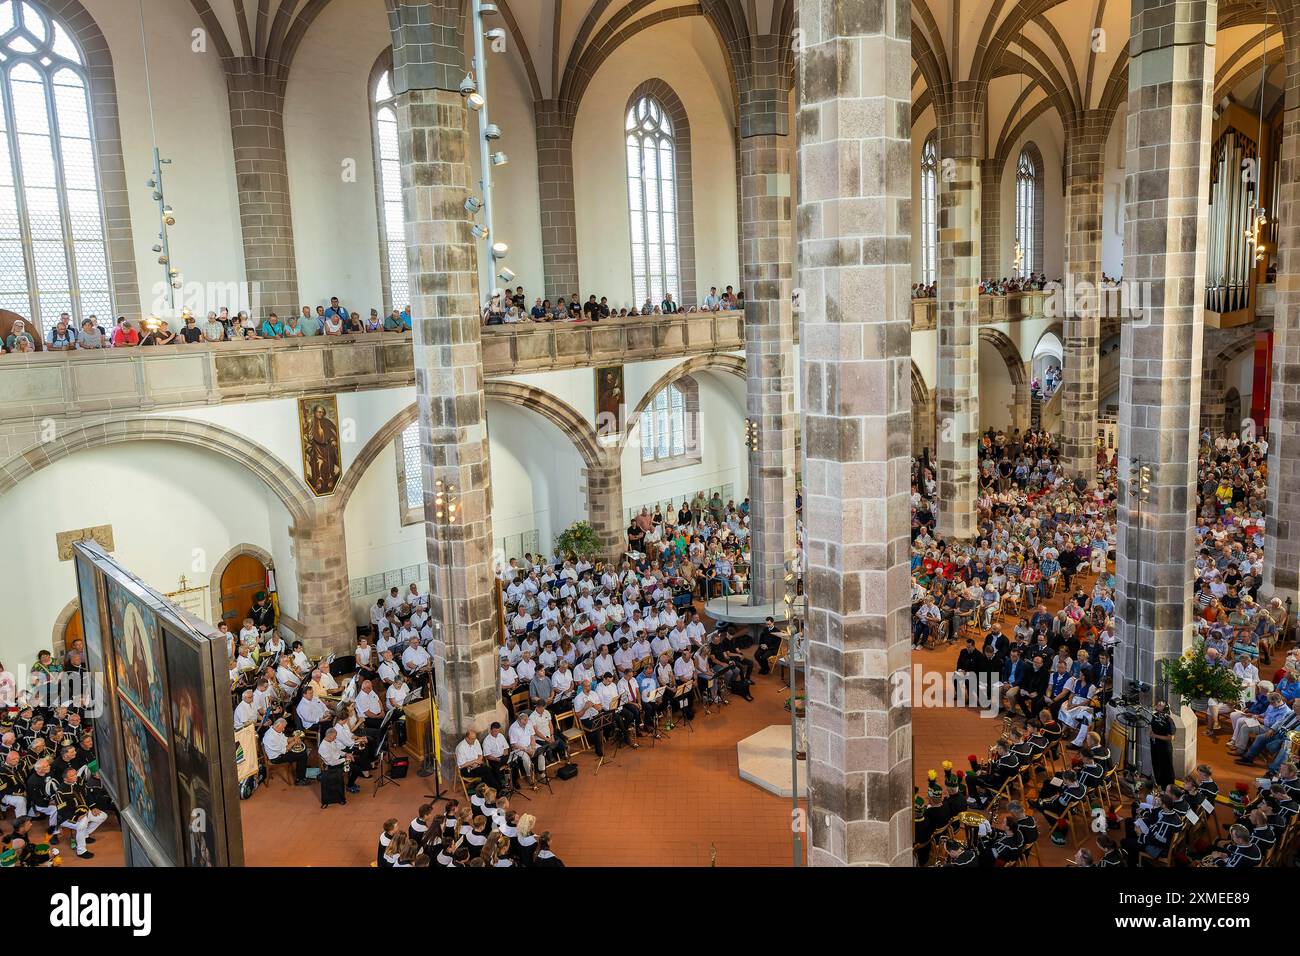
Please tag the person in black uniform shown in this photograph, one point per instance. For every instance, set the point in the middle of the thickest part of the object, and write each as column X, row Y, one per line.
column 1007, row 847
column 769, row 643
column 982, row 786
column 959, row 854
column 262, row 613
column 1162, row 744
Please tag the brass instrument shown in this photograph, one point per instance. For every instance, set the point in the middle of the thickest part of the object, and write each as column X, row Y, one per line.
column 296, row 742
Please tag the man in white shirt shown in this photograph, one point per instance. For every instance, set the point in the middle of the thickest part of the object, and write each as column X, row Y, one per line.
column 623, row 657
column 623, row 717
column 562, row 684
column 368, row 705
column 416, row 660
column 496, row 750
column 387, row 640
column 414, row 598
column 332, row 754
column 276, row 747
column 604, row 663
column 286, row 675
column 311, row 711
column 678, row 638
column 549, row 744
column 389, row 668
column 246, row 713
column 526, row 667
column 587, row 706
column 393, row 601
column 378, row 615
column 523, row 748
column 472, row 763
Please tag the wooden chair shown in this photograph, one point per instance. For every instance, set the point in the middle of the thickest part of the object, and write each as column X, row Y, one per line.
column 575, row 735
column 467, row 783
column 1171, row 852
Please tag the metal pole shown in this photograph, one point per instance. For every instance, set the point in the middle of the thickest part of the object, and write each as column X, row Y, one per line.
column 486, row 265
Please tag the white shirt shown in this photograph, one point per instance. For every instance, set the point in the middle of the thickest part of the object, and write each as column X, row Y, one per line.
column 367, row 703
column 526, row 670
column 583, row 699
column 274, row 744
column 245, row 713
column 494, row 745
column 397, row 694
column 540, row 725
column 413, row 658
column 521, row 737
column 311, row 711
column 331, row 752
column 608, row 694
column 467, row 752
column 562, row 681
column 684, row 669
column 388, row 671
column 604, row 664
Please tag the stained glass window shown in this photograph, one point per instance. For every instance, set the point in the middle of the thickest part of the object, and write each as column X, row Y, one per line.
column 392, row 216
column 652, row 201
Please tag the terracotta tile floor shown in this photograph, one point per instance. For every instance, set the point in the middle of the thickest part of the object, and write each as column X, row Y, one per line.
column 677, row 804
column 954, row 733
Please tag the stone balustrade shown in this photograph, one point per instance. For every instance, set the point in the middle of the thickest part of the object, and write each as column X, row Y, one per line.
column 993, row 309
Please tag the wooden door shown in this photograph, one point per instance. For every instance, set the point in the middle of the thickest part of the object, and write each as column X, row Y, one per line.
column 72, row 631
column 244, row 577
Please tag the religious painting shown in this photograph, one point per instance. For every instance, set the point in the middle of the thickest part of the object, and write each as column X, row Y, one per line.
column 148, row 779
column 190, row 750
column 322, row 456
column 610, row 398
column 137, row 661
column 90, row 597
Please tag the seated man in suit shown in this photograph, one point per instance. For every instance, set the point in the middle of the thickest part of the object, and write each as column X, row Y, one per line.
column 769, row 644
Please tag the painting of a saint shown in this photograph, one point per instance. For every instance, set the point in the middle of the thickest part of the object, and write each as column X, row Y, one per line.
column 322, row 458
column 148, row 779
column 135, row 651
column 609, row 401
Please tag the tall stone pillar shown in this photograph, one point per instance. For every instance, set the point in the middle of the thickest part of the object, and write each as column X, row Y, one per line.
column 855, row 269
column 441, row 254
column 1213, row 407
column 555, row 191
column 1085, row 194
column 960, row 263
column 991, row 218
column 605, row 507
column 1282, row 543
column 766, row 202
column 324, row 604
column 255, row 88
column 1171, row 86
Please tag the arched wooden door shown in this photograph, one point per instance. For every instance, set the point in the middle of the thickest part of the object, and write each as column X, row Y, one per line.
column 72, row 631
column 244, row 577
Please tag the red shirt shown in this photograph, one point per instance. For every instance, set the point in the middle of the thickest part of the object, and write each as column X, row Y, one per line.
column 125, row 336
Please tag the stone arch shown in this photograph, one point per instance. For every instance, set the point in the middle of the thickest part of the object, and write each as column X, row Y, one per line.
column 922, row 413
column 721, row 361
column 286, row 484
column 676, row 110
column 214, row 584
column 57, row 647
column 370, row 451
column 1020, row 412
column 110, row 164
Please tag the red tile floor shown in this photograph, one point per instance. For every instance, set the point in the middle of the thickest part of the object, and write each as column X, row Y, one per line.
column 680, row 803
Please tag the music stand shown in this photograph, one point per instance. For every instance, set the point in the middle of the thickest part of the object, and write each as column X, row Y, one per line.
column 382, row 751
column 680, row 694
column 429, row 766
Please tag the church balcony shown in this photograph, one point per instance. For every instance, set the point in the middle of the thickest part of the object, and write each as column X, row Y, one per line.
column 60, row 385
column 994, row 309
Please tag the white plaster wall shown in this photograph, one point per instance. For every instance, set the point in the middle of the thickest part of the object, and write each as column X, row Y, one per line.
column 327, row 123
column 1240, row 375
column 175, row 509
column 683, row 53
column 996, row 393
column 724, row 460
column 192, row 116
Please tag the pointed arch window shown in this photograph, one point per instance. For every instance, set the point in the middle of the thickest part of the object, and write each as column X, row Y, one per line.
column 1029, row 209
column 652, row 201
column 53, row 251
column 929, row 209
column 388, row 177
column 670, row 427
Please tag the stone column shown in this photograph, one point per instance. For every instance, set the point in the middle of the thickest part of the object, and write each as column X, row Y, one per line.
column 255, row 90
column 957, row 399
column 1213, row 407
column 555, row 190
column 1085, row 194
column 441, row 253
column 1171, row 86
column 991, row 218
column 324, row 604
column 1282, row 542
column 767, row 276
column 605, row 507
column 855, row 267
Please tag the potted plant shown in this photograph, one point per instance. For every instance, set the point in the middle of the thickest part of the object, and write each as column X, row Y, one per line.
column 1196, row 680
column 796, row 702
column 579, row 539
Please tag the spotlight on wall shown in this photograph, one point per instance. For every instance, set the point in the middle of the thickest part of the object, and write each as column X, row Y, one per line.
column 169, row 219
column 157, row 195
column 473, row 204
column 500, row 250
column 751, row 434
column 507, row 276
column 149, row 183
column 475, row 101
column 480, row 232
column 493, row 131
column 467, row 85
column 162, row 260
column 496, row 33
column 487, row 8
column 157, row 248
column 500, row 159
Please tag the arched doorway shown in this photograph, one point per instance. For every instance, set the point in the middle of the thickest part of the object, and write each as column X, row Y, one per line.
column 244, row 577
